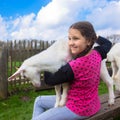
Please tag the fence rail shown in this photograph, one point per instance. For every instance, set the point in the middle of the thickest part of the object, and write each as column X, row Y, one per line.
column 11, row 57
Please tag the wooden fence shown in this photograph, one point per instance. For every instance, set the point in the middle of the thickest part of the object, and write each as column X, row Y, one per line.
column 11, row 57
column 3, row 72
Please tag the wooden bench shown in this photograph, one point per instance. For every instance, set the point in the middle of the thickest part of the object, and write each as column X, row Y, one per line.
column 108, row 112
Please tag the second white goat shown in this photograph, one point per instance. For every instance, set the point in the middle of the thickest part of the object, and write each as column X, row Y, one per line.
column 113, row 56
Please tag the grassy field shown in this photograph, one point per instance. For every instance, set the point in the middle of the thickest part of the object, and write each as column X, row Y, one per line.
column 20, row 105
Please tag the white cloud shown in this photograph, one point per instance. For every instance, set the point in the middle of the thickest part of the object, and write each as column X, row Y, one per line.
column 3, row 29
column 53, row 20
column 25, row 21
column 23, row 27
column 107, row 17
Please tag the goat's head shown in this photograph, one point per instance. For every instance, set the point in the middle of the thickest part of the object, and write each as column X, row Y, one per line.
column 33, row 75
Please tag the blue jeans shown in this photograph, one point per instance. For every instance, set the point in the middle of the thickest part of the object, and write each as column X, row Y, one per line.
column 44, row 110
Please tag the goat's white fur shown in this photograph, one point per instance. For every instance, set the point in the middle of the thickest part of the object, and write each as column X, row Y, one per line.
column 51, row 60
column 113, row 56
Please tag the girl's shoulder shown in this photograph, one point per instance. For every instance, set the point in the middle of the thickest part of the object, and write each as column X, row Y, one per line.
column 93, row 55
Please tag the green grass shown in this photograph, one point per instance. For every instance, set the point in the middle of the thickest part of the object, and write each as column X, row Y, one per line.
column 20, row 105
column 102, row 88
column 18, row 108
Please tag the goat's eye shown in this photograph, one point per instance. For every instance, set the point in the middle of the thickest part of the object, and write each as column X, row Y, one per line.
column 24, row 76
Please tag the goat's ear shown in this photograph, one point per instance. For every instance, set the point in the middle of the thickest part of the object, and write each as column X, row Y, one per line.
column 16, row 68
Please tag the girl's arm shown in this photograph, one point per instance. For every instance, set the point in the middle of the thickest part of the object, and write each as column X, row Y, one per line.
column 104, row 47
column 64, row 74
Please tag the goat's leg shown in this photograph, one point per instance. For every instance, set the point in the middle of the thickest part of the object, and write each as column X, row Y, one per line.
column 117, row 75
column 63, row 100
column 117, row 80
column 108, row 80
column 58, row 94
column 114, row 69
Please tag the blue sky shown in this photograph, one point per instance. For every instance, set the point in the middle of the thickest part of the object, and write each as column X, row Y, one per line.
column 50, row 19
column 15, row 8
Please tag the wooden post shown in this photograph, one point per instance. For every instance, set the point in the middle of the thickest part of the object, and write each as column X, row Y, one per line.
column 3, row 73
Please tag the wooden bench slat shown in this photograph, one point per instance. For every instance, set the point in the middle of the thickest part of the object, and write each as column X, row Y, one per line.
column 104, row 97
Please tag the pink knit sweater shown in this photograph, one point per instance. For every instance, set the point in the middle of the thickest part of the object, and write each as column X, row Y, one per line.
column 83, row 96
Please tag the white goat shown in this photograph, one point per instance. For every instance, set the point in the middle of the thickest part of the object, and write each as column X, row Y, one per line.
column 51, row 60
column 113, row 56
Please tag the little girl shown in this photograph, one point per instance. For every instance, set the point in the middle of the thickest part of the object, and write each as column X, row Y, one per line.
column 83, row 74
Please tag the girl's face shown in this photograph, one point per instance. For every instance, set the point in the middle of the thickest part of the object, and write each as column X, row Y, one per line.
column 77, row 43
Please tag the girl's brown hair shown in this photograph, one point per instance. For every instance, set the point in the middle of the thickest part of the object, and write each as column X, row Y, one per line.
column 87, row 30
